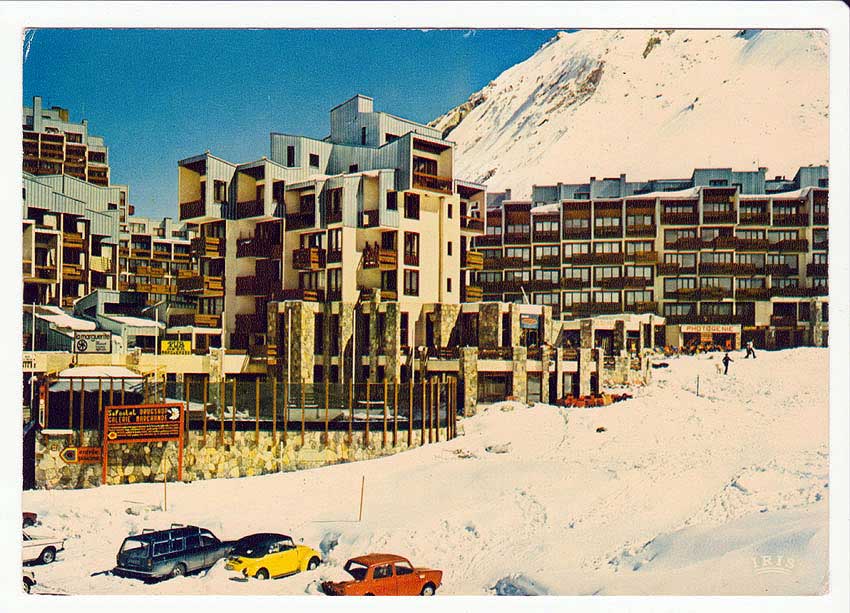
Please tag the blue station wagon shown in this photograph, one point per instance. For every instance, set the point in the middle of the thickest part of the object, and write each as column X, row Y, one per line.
column 169, row 553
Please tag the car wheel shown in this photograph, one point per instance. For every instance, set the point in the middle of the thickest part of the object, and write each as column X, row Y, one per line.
column 47, row 556
column 368, row 594
column 428, row 590
column 27, row 586
column 262, row 574
column 178, row 571
column 313, row 564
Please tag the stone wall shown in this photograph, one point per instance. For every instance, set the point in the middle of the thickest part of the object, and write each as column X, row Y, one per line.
column 468, row 370
column 238, row 455
column 489, row 325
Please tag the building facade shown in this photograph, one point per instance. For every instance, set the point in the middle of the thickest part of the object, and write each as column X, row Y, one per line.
column 723, row 257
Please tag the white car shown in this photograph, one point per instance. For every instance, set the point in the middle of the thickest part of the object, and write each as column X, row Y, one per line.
column 41, row 549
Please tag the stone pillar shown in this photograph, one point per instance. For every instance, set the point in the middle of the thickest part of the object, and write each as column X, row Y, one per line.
column 346, row 339
column 551, row 327
column 216, row 374
column 468, row 371
column 519, row 381
column 489, row 325
column 374, row 335
column 273, row 339
column 619, row 339
column 392, row 342
column 559, row 373
column 302, row 341
column 514, row 311
column 545, row 362
column 770, row 337
column 445, row 320
column 586, row 333
column 585, row 367
column 816, row 319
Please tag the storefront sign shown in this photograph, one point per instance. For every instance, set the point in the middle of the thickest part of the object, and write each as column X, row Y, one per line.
column 29, row 361
column 531, row 322
column 81, row 455
column 93, row 342
column 143, row 423
column 175, row 347
column 711, row 329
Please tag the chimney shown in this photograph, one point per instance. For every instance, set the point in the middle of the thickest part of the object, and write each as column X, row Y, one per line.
column 507, row 193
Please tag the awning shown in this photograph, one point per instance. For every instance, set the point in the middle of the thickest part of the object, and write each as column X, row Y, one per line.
column 93, row 378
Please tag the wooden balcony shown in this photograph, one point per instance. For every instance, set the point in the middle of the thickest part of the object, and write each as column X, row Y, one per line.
column 817, row 270
column 782, row 270
column 502, row 263
column 473, row 260
column 802, row 292
column 251, row 208
column 206, row 286
column 199, row 320
column 257, row 247
column 68, row 301
column 334, row 256
column 574, row 283
column 683, row 293
column 582, row 309
column 472, row 224
column 642, row 257
column 641, row 231
column 596, row 258
column 820, row 219
column 100, row 264
column 251, row 322
column 746, row 218
column 747, row 269
column 488, row 240
column 411, row 259
column 718, row 268
column 300, row 221
column 752, row 244
column 548, row 236
column 161, row 255
column 208, row 247
column 820, row 245
column 72, row 240
column 608, row 232
column 547, row 260
column 791, row 246
column 540, row 285
column 516, row 238
column 791, row 221
column 783, row 321
column 370, row 219
column 333, row 216
column 624, row 283
column 720, row 217
column 691, row 243
column 473, row 293
column 191, row 210
column 432, row 183
column 42, row 274
column 309, row 258
column 72, row 272
column 709, row 292
column 724, row 242
column 642, row 307
column 257, row 285
column 752, row 293
column 680, row 219
column 706, row 319
column 385, row 259
column 307, row 295
column 575, row 234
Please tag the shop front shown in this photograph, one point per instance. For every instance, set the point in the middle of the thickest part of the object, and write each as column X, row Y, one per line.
column 693, row 335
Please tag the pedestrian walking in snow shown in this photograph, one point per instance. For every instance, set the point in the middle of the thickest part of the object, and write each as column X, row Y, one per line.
column 726, row 360
column 750, row 350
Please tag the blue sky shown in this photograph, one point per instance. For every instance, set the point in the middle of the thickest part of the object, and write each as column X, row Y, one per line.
column 158, row 96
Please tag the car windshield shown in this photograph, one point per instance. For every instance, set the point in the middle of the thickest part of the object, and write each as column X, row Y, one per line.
column 356, row 570
column 251, row 548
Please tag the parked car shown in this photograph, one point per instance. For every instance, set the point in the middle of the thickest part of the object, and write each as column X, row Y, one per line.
column 29, row 580
column 271, row 555
column 169, row 553
column 29, row 519
column 41, row 549
column 384, row 574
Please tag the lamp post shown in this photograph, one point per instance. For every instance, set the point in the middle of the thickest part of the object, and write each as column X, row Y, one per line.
column 156, row 342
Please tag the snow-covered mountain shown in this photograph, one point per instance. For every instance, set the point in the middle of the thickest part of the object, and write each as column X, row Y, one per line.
column 650, row 103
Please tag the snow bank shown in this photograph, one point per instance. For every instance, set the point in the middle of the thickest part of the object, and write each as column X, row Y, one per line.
column 679, row 494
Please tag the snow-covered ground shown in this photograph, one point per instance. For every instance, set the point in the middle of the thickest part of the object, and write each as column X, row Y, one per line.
column 679, row 494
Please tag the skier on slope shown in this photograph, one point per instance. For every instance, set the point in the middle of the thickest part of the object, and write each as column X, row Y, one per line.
column 726, row 360
column 750, row 350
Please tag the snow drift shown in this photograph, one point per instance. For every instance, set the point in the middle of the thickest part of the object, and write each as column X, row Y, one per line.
column 598, row 102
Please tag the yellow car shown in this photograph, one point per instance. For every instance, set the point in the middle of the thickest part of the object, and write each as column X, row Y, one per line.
column 271, row 555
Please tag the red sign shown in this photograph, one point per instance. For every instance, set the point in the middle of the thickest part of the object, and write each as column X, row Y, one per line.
column 143, row 423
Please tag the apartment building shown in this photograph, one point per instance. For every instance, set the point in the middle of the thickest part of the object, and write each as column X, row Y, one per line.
column 722, row 256
column 153, row 253
column 70, row 238
column 370, row 213
column 55, row 145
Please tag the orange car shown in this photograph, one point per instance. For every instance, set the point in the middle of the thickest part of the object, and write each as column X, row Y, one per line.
column 385, row 574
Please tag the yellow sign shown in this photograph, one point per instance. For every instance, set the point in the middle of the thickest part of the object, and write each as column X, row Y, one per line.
column 175, row 347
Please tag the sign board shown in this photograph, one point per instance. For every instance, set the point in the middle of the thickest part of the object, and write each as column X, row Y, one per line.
column 531, row 322
column 143, row 423
column 29, row 361
column 82, row 455
column 711, row 329
column 175, row 347
column 93, row 342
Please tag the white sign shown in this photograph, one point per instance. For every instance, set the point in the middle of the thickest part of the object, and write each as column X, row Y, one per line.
column 93, row 342
column 29, row 361
column 719, row 329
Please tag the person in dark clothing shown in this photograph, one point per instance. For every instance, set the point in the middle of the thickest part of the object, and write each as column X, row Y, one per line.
column 750, row 350
column 726, row 360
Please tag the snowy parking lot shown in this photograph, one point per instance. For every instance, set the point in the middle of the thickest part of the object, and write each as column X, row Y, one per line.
column 667, row 493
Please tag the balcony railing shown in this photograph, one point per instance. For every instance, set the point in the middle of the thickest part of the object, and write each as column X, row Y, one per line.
column 817, row 270
column 803, row 292
column 642, row 231
column 594, row 308
column 72, row 240
column 624, row 282
column 791, row 246
column 309, row 258
column 488, row 240
column 782, row 270
column 501, row 263
column 546, row 236
column 251, row 322
column 596, row 258
column 333, row 216
column 608, row 232
column 680, row 219
column 300, row 221
column 256, row 285
column 100, row 264
column 378, row 257
column 496, row 353
column 719, row 268
column 547, row 260
column 370, row 219
column 432, row 183
column 411, row 259
column 516, row 238
column 747, row 218
column 752, row 293
column 208, row 247
column 642, row 307
column 783, row 321
column 574, row 234
column 190, row 210
column 793, row 220
column 709, row 292
column 200, row 320
column 691, row 243
column 725, row 242
column 752, row 244
column 574, row 283
column 334, row 256
column 472, row 224
column 668, row 268
column 257, row 247
column 643, row 257
column 713, row 318
column 209, row 286
column 473, row 293
column 473, row 260
column 307, row 295
column 251, row 208
column 724, row 217
column 72, row 272
column 820, row 219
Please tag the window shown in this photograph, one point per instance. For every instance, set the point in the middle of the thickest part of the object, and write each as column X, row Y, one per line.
column 363, row 135
column 571, row 249
column 353, row 168
column 425, row 166
column 607, row 222
column 639, row 246
column 405, row 329
column 571, row 298
column 411, row 248
column 449, row 285
column 550, row 299
column 577, row 223
column 392, row 201
column 403, row 568
column 391, row 137
column 680, row 308
column 334, row 279
column 314, row 160
column 290, row 156
column 606, row 247
column 606, row 297
column 721, row 282
column 411, row 282
column 382, row 572
column 545, row 226
column 634, row 297
column 717, row 182
column 219, row 191
column 518, row 228
column 546, row 274
column 750, row 282
column 389, row 280
column 522, row 253
column 576, row 273
column 494, row 229
column 449, row 248
column 607, row 272
column 639, row 272
column 546, row 251
column 716, row 257
column 411, row 205
column 449, row 211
